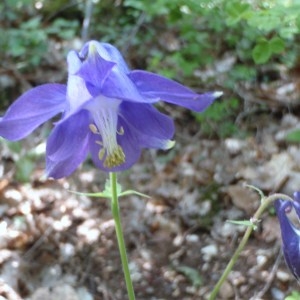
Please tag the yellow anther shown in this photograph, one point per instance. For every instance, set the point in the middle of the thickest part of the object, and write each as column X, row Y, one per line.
column 93, row 129
column 112, row 153
column 121, row 131
column 115, row 159
column 101, row 153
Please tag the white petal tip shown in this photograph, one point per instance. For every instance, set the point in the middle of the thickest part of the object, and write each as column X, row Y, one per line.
column 217, row 94
column 92, row 47
column 170, row 144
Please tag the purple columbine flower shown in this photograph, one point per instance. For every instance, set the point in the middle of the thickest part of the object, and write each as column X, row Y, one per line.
column 107, row 111
column 290, row 233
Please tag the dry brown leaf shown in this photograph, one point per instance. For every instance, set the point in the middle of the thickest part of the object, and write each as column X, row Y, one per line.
column 243, row 198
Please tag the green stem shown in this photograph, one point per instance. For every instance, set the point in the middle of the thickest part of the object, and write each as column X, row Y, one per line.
column 265, row 202
column 122, row 249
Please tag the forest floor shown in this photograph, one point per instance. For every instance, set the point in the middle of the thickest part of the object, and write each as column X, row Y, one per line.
column 55, row 244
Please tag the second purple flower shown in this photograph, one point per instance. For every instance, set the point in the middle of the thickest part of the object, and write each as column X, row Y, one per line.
column 290, row 232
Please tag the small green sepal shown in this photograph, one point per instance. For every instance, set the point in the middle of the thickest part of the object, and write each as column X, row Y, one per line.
column 247, row 223
column 107, row 193
column 132, row 192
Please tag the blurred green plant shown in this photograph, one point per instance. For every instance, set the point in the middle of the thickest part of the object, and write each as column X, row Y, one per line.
column 293, row 296
column 29, row 37
column 25, row 161
column 179, row 35
column 264, row 49
column 293, row 136
column 175, row 38
column 240, row 73
column 218, row 119
column 63, row 29
column 183, row 34
column 204, row 29
column 276, row 22
column 25, row 32
column 192, row 274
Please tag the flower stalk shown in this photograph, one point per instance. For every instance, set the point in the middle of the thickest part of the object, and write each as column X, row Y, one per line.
column 265, row 202
column 119, row 232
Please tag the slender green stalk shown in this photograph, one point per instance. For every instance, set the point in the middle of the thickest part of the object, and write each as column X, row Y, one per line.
column 122, row 249
column 265, row 202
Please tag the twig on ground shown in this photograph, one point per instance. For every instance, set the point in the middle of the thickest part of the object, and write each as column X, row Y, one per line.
column 270, row 278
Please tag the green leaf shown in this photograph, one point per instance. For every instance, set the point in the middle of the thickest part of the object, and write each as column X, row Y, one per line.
column 293, row 136
column 24, row 168
column 235, row 11
column 264, row 20
column 276, row 44
column 15, row 147
column 96, row 195
column 192, row 274
column 33, row 23
column 261, row 52
column 293, row 296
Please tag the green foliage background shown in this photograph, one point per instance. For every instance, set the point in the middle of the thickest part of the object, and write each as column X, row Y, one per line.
column 175, row 38
column 258, row 31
